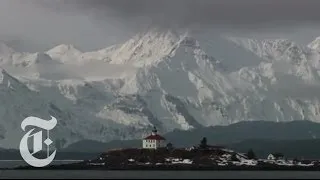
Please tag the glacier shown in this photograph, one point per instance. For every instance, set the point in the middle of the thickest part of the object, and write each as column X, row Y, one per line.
column 166, row 79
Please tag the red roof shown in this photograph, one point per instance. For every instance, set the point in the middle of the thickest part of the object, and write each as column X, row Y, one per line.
column 155, row 137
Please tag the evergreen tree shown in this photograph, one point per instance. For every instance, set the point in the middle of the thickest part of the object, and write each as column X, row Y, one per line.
column 170, row 146
column 203, row 143
column 251, row 154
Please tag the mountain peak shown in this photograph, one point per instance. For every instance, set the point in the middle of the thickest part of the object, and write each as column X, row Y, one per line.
column 150, row 48
column 271, row 49
column 275, row 44
column 315, row 44
column 145, row 49
column 63, row 48
column 5, row 49
column 64, row 53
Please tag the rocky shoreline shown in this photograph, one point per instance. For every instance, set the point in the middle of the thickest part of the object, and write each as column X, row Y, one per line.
column 194, row 159
column 83, row 166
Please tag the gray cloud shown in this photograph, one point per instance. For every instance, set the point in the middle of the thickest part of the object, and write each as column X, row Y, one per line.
column 35, row 25
column 208, row 12
column 90, row 24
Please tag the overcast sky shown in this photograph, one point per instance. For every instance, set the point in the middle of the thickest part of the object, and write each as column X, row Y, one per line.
column 90, row 24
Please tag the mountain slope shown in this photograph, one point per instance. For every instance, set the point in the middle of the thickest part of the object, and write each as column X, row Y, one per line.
column 166, row 79
column 210, row 92
column 72, row 121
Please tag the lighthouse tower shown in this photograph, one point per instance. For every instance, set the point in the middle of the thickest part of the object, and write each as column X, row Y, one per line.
column 154, row 141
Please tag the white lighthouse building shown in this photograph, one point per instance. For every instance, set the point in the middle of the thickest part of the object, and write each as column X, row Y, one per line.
column 154, row 141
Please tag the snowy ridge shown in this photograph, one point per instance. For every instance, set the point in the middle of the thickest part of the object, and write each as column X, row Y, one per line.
column 8, row 56
column 166, row 79
column 65, row 53
column 293, row 58
column 315, row 45
column 273, row 49
column 145, row 49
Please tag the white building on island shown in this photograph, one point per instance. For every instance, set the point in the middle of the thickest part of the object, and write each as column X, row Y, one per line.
column 275, row 156
column 154, row 141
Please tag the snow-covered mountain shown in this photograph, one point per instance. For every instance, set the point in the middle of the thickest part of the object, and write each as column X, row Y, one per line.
column 315, row 45
column 167, row 79
column 18, row 102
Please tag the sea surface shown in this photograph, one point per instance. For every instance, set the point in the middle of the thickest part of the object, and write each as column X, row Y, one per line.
column 87, row 174
column 16, row 163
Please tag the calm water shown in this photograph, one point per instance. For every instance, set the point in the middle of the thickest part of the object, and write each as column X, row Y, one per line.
column 16, row 163
column 84, row 174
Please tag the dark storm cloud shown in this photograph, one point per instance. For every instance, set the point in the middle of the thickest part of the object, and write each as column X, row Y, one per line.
column 207, row 12
column 90, row 24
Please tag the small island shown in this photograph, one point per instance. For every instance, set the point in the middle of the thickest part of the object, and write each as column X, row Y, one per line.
column 157, row 154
